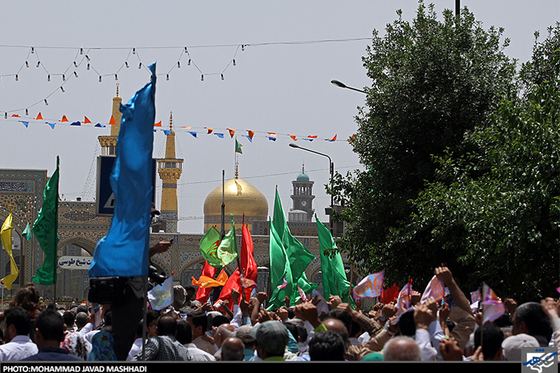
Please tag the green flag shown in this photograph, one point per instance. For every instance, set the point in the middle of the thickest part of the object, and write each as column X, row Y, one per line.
column 297, row 257
column 281, row 284
column 227, row 249
column 334, row 275
column 27, row 232
column 209, row 247
column 45, row 229
column 238, row 146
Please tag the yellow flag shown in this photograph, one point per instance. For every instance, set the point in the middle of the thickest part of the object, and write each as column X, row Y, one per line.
column 6, row 236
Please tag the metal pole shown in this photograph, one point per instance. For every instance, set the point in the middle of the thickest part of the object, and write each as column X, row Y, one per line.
column 223, row 204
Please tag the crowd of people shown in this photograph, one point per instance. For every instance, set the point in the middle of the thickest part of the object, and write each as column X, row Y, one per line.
column 316, row 330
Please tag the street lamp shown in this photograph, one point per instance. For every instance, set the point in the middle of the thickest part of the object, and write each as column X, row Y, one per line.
column 342, row 85
column 331, row 167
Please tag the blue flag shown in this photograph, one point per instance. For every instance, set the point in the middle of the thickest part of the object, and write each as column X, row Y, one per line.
column 124, row 251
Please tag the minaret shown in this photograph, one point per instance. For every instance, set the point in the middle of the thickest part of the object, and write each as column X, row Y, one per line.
column 170, row 169
column 302, row 198
column 109, row 143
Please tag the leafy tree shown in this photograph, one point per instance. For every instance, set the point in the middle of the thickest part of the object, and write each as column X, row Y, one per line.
column 432, row 81
column 495, row 211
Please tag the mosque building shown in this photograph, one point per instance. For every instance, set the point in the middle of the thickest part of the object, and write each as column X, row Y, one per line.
column 81, row 225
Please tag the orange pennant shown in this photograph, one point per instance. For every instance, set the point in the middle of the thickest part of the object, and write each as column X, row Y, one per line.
column 209, row 130
column 112, row 120
column 251, row 134
column 64, row 119
column 231, row 132
column 39, row 116
column 206, row 282
column 86, row 120
column 293, row 137
column 158, row 124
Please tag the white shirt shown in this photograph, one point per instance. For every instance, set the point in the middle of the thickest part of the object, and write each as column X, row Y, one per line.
column 196, row 354
column 136, row 347
column 18, row 348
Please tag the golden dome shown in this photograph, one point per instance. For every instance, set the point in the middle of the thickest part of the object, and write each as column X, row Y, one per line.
column 240, row 198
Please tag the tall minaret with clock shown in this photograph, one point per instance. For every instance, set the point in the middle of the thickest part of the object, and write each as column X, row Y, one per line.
column 302, row 195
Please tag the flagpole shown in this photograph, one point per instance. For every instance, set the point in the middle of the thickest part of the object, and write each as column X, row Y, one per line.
column 239, row 260
column 145, row 316
column 223, row 203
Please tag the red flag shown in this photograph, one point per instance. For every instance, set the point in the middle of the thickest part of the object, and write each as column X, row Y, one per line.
column 247, row 260
column 390, row 294
column 233, row 282
column 203, row 294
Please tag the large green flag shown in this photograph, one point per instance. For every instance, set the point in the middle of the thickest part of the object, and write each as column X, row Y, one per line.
column 334, row 275
column 216, row 251
column 45, row 229
column 227, row 250
column 209, row 247
column 281, row 284
column 297, row 257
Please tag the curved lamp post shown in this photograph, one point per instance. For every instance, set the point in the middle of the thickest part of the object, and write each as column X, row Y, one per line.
column 342, row 85
column 331, row 168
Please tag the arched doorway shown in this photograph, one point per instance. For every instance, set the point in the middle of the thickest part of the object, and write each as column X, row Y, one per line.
column 73, row 282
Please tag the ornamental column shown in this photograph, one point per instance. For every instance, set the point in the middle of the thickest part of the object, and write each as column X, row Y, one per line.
column 169, row 170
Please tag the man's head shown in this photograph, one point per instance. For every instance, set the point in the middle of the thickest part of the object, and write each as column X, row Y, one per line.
column 49, row 328
column 401, row 349
column 271, row 338
column 223, row 332
column 69, row 318
column 167, row 325
column 244, row 333
column 152, row 317
column 191, row 291
column 490, row 337
column 344, row 316
column 198, row 321
column 529, row 318
column 81, row 319
column 337, row 326
column 184, row 332
column 18, row 322
column 327, row 346
column 233, row 349
column 297, row 328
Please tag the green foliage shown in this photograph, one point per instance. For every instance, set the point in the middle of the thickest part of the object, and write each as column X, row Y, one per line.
column 487, row 203
column 490, row 206
column 432, row 82
column 496, row 211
